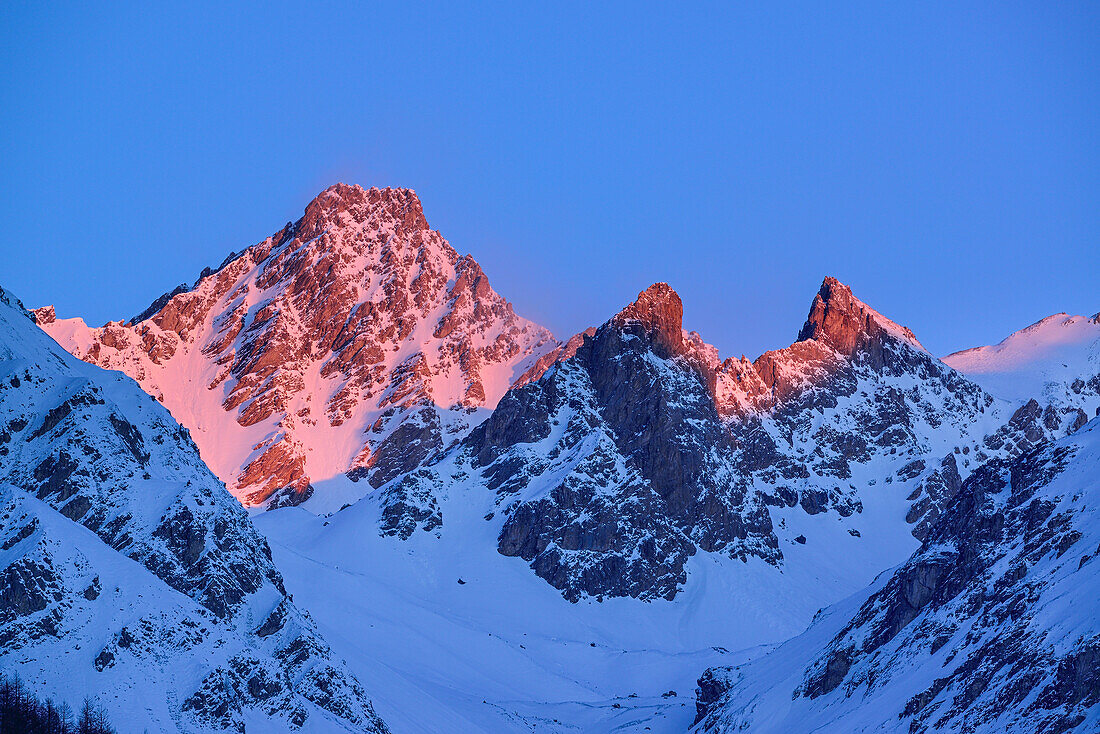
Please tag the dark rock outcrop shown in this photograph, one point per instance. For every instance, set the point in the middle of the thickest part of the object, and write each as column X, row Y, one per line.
column 989, row 626
column 647, row 484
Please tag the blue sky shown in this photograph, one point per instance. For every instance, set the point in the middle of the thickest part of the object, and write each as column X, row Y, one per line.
column 943, row 159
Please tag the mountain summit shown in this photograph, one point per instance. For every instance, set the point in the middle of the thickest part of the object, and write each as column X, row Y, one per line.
column 354, row 339
column 660, row 313
column 842, row 321
column 341, row 203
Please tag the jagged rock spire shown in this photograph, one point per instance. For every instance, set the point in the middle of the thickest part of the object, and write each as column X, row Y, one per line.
column 842, row 321
column 660, row 313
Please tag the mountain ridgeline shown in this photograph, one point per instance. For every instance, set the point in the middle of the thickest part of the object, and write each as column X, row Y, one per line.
column 357, row 376
column 125, row 562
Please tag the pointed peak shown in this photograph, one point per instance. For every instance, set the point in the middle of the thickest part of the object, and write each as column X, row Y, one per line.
column 657, row 306
column 661, row 313
column 841, row 320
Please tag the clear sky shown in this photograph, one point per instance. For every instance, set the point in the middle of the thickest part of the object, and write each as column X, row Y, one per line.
column 941, row 158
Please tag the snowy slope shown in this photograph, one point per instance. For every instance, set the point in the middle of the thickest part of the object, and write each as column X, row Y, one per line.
column 592, row 566
column 83, row 619
column 1056, row 360
column 130, row 574
column 991, row 626
column 504, row 651
column 597, row 539
column 355, row 338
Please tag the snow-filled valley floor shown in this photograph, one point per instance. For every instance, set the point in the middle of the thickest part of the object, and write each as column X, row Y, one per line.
column 503, row 651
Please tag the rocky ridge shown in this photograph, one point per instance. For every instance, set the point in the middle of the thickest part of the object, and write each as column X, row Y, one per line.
column 613, row 468
column 982, row 630
column 632, row 447
column 123, row 558
column 353, row 340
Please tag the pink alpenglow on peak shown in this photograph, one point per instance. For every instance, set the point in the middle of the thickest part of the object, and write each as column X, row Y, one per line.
column 838, row 327
column 1056, row 358
column 355, row 339
column 841, row 320
column 661, row 313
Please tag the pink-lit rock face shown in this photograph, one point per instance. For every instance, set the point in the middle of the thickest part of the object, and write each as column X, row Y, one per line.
column 660, row 313
column 838, row 326
column 842, row 321
column 297, row 358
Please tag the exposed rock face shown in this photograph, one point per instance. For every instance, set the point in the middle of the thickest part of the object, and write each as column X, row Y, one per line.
column 631, row 447
column 840, row 320
column 620, row 452
column 298, row 358
column 640, row 420
column 657, row 315
column 713, row 685
column 984, row 629
column 410, row 503
column 101, row 490
column 839, row 328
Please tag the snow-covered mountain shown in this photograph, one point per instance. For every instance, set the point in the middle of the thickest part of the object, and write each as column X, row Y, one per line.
column 663, row 526
column 638, row 447
column 502, row 532
column 991, row 626
column 1046, row 379
column 353, row 340
column 1055, row 362
column 127, row 572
